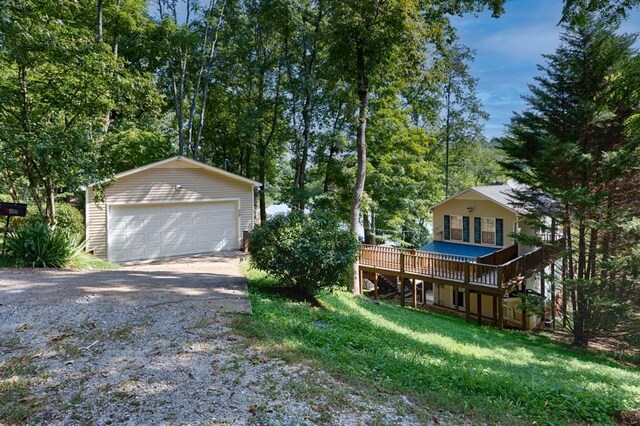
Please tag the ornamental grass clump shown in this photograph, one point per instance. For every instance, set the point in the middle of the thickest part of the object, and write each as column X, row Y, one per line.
column 309, row 252
column 37, row 246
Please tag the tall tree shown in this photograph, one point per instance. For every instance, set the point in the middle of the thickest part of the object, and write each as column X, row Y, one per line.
column 305, row 56
column 376, row 41
column 55, row 81
column 188, row 35
column 462, row 111
column 404, row 176
column 577, row 11
column 579, row 165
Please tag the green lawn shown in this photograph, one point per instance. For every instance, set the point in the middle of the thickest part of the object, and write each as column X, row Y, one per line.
column 86, row 261
column 439, row 360
column 83, row 261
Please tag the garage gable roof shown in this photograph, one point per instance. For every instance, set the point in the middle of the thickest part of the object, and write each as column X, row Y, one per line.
column 188, row 161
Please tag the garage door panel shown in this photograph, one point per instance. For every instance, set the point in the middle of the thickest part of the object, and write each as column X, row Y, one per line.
column 137, row 232
column 136, row 224
column 155, row 237
column 119, row 240
column 186, row 220
column 119, row 254
column 136, row 239
column 138, row 252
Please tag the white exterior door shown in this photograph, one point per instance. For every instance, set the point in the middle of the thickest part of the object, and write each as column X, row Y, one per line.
column 138, row 232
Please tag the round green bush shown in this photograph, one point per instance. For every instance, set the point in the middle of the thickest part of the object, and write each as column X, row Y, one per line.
column 310, row 252
column 69, row 218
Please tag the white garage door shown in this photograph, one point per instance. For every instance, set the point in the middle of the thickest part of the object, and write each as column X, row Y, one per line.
column 147, row 232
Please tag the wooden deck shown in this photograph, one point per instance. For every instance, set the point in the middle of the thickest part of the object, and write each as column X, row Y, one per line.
column 502, row 273
column 447, row 269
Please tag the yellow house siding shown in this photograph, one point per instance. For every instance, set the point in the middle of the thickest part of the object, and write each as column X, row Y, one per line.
column 480, row 208
column 158, row 185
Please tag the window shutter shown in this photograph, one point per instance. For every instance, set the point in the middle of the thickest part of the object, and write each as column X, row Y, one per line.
column 499, row 232
column 447, row 227
column 465, row 229
column 477, row 230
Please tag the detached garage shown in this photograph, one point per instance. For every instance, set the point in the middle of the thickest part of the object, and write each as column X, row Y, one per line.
column 173, row 207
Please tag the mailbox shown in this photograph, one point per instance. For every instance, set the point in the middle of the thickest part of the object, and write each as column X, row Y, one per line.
column 13, row 209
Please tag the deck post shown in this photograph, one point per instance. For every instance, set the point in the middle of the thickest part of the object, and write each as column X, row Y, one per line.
column 413, row 260
column 466, row 273
column 456, row 302
column 375, row 285
column 479, row 307
column 415, row 293
column 494, row 316
column 361, row 281
column 500, row 310
column 401, row 291
column 401, row 263
column 467, row 304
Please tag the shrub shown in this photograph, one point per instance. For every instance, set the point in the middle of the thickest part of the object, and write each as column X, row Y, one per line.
column 38, row 246
column 310, row 252
column 68, row 218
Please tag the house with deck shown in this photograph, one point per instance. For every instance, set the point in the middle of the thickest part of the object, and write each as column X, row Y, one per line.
column 473, row 266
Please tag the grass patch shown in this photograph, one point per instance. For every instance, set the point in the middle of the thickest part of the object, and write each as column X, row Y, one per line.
column 83, row 261
column 87, row 261
column 17, row 403
column 488, row 374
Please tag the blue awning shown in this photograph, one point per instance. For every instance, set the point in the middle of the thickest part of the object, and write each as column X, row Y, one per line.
column 455, row 249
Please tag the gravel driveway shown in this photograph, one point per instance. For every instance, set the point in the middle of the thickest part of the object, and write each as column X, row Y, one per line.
column 153, row 344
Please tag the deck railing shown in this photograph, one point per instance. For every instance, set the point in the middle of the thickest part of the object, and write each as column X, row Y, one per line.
column 501, row 256
column 461, row 269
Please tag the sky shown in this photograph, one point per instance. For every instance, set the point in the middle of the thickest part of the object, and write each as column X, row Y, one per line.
column 507, row 51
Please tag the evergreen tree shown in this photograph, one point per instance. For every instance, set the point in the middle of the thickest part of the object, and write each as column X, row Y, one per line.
column 578, row 160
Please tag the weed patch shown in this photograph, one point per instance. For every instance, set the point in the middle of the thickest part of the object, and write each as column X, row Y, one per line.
column 17, row 402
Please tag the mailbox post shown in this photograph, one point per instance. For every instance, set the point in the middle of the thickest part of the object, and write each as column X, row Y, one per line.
column 8, row 210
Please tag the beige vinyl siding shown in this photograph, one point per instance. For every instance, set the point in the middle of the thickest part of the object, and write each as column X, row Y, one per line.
column 480, row 208
column 96, row 226
column 158, row 185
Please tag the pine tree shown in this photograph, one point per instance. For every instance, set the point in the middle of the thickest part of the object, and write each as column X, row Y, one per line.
column 572, row 145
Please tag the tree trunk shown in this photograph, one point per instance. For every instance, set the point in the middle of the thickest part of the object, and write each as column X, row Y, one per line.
column 99, row 12
column 263, row 180
column 301, row 166
column 333, row 150
column 361, row 147
column 50, row 203
column 307, row 112
column 369, row 228
column 447, row 140
column 114, row 50
column 580, row 333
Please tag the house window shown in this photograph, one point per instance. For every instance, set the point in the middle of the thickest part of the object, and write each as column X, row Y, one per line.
column 488, row 228
column 456, row 228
